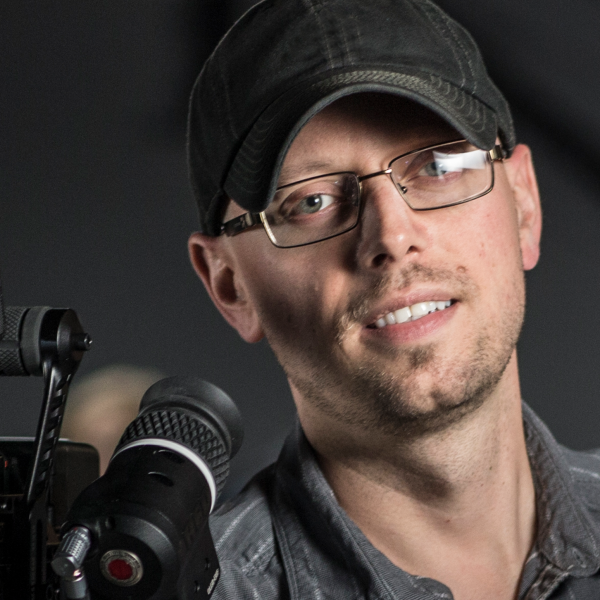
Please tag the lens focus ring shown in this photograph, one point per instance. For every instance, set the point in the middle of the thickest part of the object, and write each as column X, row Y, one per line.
column 184, row 429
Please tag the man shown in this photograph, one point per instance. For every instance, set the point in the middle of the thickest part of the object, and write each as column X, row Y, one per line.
column 364, row 206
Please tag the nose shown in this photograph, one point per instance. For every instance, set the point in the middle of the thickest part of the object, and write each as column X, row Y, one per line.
column 389, row 229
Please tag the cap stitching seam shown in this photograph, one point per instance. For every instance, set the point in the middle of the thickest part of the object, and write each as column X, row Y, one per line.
column 357, row 32
column 313, row 10
column 230, row 125
column 448, row 23
column 427, row 9
column 345, row 45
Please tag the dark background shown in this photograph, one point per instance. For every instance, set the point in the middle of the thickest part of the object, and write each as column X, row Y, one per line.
column 95, row 208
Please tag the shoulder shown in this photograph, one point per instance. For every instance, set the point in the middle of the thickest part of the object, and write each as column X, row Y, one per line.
column 244, row 538
column 584, row 467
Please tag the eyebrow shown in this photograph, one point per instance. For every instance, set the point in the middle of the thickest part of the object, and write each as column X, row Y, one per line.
column 288, row 175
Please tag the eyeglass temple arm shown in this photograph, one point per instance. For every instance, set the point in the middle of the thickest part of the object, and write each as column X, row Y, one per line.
column 498, row 153
column 241, row 223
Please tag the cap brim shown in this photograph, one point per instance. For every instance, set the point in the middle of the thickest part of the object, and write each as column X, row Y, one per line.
column 253, row 176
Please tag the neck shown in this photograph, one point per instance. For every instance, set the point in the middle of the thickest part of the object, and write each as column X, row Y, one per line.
column 449, row 505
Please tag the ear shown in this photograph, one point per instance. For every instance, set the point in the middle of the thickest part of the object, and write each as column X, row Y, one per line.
column 523, row 182
column 215, row 264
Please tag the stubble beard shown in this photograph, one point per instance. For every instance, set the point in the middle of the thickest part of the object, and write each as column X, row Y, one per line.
column 424, row 392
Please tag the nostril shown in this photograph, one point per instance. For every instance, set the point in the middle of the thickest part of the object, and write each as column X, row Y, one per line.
column 382, row 258
column 379, row 260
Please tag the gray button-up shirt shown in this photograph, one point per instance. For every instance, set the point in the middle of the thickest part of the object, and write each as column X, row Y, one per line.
column 286, row 537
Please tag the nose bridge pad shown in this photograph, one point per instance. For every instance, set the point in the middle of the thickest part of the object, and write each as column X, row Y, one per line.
column 400, row 189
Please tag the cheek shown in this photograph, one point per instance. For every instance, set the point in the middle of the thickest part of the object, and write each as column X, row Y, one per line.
column 490, row 249
column 295, row 291
column 481, row 239
column 500, row 244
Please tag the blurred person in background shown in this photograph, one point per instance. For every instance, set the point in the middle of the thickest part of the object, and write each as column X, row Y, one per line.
column 102, row 404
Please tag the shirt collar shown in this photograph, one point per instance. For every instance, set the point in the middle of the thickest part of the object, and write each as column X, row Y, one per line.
column 321, row 546
column 325, row 554
column 566, row 533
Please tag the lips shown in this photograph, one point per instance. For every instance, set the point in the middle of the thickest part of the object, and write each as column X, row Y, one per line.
column 412, row 312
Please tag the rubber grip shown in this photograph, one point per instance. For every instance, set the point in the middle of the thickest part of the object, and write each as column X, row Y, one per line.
column 11, row 361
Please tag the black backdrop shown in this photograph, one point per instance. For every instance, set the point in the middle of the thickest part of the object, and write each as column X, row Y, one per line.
column 95, row 208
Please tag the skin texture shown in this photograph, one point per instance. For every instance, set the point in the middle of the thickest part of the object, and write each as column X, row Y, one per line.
column 417, row 426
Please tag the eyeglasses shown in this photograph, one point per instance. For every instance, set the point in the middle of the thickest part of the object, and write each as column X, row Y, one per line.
column 322, row 207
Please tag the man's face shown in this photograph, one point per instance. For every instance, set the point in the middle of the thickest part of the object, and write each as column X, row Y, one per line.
column 319, row 305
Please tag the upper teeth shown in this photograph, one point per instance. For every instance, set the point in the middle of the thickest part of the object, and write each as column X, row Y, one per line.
column 411, row 313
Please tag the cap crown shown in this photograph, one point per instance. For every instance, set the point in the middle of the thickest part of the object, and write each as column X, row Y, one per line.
column 286, row 59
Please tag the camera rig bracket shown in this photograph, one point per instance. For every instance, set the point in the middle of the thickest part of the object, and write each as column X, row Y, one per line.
column 47, row 342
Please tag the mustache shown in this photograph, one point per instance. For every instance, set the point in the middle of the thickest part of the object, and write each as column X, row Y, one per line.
column 361, row 303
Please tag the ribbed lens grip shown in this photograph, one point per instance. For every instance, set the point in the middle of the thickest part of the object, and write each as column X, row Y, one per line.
column 11, row 362
column 186, row 429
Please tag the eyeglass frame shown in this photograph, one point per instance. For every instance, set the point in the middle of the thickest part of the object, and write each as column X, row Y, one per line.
column 248, row 220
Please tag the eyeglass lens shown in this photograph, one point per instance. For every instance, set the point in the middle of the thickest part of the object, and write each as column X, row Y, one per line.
column 325, row 206
column 442, row 175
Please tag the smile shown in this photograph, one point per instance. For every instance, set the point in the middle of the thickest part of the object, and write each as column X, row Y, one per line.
column 411, row 313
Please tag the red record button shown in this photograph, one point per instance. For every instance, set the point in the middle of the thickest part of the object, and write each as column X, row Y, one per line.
column 121, row 567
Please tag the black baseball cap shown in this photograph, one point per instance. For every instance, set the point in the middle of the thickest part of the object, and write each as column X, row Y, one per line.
column 285, row 60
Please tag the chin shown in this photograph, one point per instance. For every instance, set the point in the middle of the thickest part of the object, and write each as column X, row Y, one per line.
column 426, row 395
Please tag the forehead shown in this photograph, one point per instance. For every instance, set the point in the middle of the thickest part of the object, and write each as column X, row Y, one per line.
column 362, row 125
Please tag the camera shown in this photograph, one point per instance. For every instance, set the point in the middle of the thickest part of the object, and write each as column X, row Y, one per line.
column 39, row 477
column 139, row 531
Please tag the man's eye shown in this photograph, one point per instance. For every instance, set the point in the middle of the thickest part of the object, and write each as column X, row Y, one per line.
column 313, row 203
column 434, row 168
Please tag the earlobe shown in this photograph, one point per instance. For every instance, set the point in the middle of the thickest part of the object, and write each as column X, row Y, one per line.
column 523, row 182
column 216, row 267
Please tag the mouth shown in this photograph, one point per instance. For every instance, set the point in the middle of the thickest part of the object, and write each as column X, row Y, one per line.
column 413, row 312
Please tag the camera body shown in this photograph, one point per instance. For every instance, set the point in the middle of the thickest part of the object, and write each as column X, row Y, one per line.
column 142, row 529
column 40, row 476
column 28, row 539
